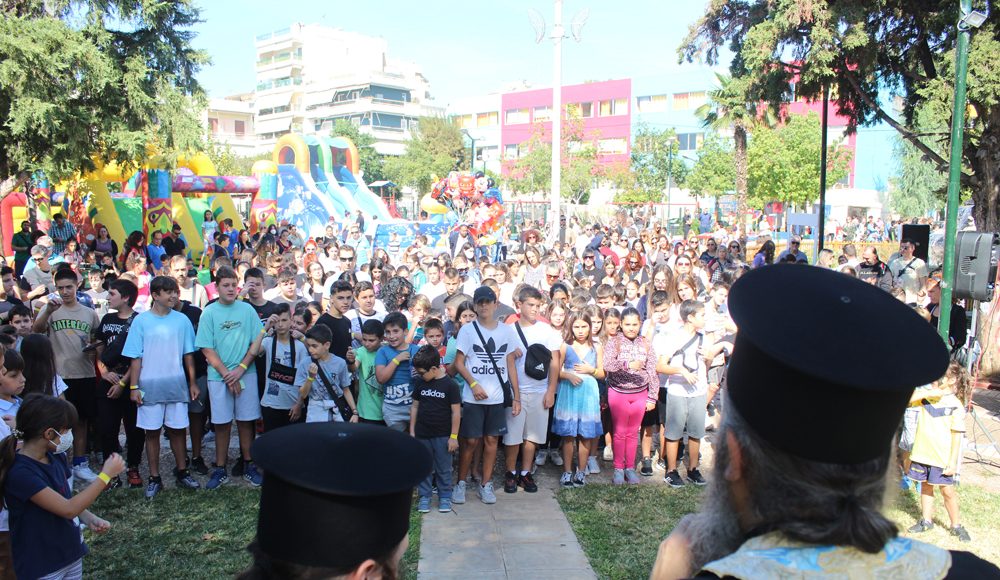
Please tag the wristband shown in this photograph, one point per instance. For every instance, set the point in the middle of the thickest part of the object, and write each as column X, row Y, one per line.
column 310, row 379
column 243, row 366
column 263, row 331
column 104, row 477
column 134, row 388
column 454, row 436
column 474, row 384
column 121, row 383
column 396, row 361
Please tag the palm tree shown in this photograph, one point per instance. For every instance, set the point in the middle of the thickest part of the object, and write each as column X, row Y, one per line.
column 729, row 107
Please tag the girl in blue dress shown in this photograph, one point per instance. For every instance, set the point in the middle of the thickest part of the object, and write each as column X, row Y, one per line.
column 577, row 417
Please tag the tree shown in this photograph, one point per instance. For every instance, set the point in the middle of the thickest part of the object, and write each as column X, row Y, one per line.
column 861, row 49
column 435, row 148
column 532, row 171
column 714, row 172
column 655, row 160
column 85, row 78
column 919, row 187
column 372, row 162
column 784, row 163
column 227, row 162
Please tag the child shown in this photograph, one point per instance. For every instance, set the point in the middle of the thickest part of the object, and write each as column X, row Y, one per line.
column 11, row 385
column 208, row 229
column 632, row 294
column 370, row 396
column 612, row 323
column 331, row 400
column 419, row 308
column 286, row 370
column 937, row 448
column 657, row 325
column 44, row 538
column 681, row 359
column 578, row 403
column 160, row 343
column 465, row 313
column 287, row 290
column 437, row 412
column 392, row 371
column 632, row 388
column 659, row 318
column 364, row 296
column 95, row 281
column 40, row 367
column 434, row 335
column 556, row 315
column 335, row 318
column 20, row 319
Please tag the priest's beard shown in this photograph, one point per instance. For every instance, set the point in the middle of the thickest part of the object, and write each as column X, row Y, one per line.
column 714, row 532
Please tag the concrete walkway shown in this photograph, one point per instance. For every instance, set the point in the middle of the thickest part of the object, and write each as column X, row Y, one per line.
column 523, row 535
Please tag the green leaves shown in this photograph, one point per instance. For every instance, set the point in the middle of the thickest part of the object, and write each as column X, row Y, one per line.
column 435, row 148
column 715, row 171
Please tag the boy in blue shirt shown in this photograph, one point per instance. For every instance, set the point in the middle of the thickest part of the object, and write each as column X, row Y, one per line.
column 331, row 399
column 392, row 371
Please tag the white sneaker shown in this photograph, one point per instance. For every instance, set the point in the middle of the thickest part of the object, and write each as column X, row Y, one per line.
column 84, row 473
column 609, row 454
column 541, row 456
column 592, row 466
column 486, row 493
column 556, row 457
column 458, row 494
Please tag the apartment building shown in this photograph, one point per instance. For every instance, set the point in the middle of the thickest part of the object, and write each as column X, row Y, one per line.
column 230, row 121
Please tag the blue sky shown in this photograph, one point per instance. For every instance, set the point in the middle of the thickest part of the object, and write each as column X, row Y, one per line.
column 465, row 48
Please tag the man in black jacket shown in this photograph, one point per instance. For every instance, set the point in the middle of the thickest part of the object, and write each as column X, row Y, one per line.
column 873, row 270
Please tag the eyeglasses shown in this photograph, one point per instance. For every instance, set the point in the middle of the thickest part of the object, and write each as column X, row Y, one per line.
column 588, row 257
column 346, row 259
column 551, row 277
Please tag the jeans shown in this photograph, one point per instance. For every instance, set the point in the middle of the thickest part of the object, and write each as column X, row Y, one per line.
column 111, row 413
column 438, row 446
column 627, row 411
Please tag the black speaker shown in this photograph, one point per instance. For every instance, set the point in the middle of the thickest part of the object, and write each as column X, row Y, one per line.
column 921, row 236
column 976, row 257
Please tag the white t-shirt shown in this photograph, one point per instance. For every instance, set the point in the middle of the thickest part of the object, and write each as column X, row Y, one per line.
column 538, row 333
column 690, row 359
column 432, row 291
column 500, row 341
column 358, row 319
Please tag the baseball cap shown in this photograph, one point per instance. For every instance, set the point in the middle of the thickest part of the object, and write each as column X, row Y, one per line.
column 484, row 294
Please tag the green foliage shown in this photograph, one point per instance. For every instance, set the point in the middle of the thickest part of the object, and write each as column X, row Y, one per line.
column 655, row 158
column 371, row 161
column 435, row 148
column 228, row 162
column 532, row 172
column 715, row 171
column 919, row 186
column 80, row 78
column 783, row 163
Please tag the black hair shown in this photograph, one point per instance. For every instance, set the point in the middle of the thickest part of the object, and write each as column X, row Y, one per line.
column 6, row 270
column 253, row 273
column 12, row 360
column 39, row 364
column 630, row 311
column 19, row 310
column 659, row 298
column 605, row 291
column 689, row 308
column 431, row 323
column 426, row 358
column 526, row 292
column 223, row 273
column 162, row 284
column 362, row 286
column 321, row 333
column 373, row 327
column 38, row 414
column 341, row 286
column 65, row 274
column 284, row 308
column 396, row 319
column 126, row 290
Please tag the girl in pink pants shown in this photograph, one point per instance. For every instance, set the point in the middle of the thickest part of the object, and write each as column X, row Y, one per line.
column 630, row 366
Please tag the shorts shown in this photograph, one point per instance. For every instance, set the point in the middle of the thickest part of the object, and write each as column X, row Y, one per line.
column 83, row 394
column 531, row 424
column 226, row 406
column 684, row 415
column 198, row 405
column 930, row 474
column 483, row 421
column 318, row 412
column 153, row 416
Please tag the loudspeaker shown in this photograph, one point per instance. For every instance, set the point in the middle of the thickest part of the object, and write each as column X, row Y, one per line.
column 976, row 258
column 921, row 236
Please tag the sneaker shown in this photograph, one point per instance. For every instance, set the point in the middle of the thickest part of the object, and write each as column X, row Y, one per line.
column 541, row 456
column 694, row 476
column 133, row 478
column 631, row 477
column 647, row 467
column 198, row 465
column 154, row 487
column 528, row 483
column 673, row 479
column 251, row 475
column 619, row 477
column 83, row 472
column 458, row 495
column 424, row 505
column 486, row 493
column 960, row 532
column 660, row 465
column 609, row 454
column 592, row 466
column 510, row 482
column 555, row 456
column 566, row 480
column 921, row 527
column 580, row 479
column 444, row 505
column 238, row 468
column 185, row 481
column 219, row 477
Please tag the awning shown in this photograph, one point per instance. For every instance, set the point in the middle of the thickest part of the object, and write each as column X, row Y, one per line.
column 272, row 126
column 272, row 101
column 319, row 97
column 381, row 184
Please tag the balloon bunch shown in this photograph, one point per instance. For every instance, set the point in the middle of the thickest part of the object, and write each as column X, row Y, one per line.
column 474, row 197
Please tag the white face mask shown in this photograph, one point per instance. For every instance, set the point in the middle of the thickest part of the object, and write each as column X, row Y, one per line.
column 65, row 441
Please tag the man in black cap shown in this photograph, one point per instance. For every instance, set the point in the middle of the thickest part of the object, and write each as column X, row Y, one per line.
column 805, row 444
column 345, row 517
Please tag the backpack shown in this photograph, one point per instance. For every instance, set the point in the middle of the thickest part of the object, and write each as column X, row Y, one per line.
column 536, row 359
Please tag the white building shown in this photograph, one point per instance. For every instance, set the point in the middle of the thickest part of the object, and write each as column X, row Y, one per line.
column 229, row 121
column 310, row 75
column 479, row 118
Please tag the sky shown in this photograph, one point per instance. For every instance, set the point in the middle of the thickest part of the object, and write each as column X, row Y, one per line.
column 465, row 48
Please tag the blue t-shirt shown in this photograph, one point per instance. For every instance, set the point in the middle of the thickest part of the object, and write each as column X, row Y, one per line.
column 161, row 342
column 229, row 330
column 338, row 375
column 41, row 541
column 156, row 254
column 398, row 390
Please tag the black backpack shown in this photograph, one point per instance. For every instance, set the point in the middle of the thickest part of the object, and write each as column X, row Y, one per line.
column 536, row 359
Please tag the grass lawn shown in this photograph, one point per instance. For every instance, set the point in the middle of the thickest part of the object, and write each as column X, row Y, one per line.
column 620, row 528
column 187, row 535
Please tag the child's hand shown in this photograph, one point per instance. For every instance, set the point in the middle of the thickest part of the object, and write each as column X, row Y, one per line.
column 114, row 465
column 135, row 395
column 298, row 335
column 690, row 377
column 650, row 405
column 313, row 369
column 584, row 368
column 351, row 356
column 401, row 357
column 574, row 380
column 98, row 525
column 295, row 412
column 271, row 321
column 452, row 445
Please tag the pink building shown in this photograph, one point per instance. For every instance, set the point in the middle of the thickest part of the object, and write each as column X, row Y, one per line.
column 604, row 107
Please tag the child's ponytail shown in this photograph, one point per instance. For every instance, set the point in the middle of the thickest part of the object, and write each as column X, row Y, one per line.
column 960, row 379
column 38, row 414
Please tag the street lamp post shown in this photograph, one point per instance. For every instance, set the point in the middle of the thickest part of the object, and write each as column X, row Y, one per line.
column 670, row 175
column 472, row 158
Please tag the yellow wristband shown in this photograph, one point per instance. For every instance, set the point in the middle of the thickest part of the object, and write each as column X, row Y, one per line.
column 243, row 366
column 121, row 383
column 396, row 361
column 263, row 331
column 310, row 379
column 454, row 436
column 134, row 388
column 104, row 477
column 474, row 384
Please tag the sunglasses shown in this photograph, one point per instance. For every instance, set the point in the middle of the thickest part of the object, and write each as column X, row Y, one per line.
column 631, row 263
column 347, row 259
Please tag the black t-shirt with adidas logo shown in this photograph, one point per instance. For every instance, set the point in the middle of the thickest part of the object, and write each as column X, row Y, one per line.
column 435, row 399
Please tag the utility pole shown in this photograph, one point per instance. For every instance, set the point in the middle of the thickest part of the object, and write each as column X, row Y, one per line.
column 821, row 229
column 556, row 191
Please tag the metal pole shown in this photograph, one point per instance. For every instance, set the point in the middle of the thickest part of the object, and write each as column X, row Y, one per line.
column 556, row 191
column 818, row 246
column 670, row 174
column 472, row 160
column 954, row 171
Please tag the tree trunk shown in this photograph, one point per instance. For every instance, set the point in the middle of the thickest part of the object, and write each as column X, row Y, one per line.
column 740, row 137
column 985, row 162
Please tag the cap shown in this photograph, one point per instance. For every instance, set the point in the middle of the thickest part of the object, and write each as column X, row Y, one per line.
column 810, row 374
column 336, row 485
column 484, row 294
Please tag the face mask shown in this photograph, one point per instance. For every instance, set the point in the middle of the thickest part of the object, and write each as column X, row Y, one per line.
column 65, row 441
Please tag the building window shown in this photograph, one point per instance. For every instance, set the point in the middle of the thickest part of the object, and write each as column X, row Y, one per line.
column 491, row 119
column 517, row 117
column 543, row 114
column 240, row 127
column 617, row 146
column 690, row 141
column 213, row 126
column 612, row 107
column 651, row 104
column 580, row 110
column 463, row 121
column 511, row 152
column 685, row 101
